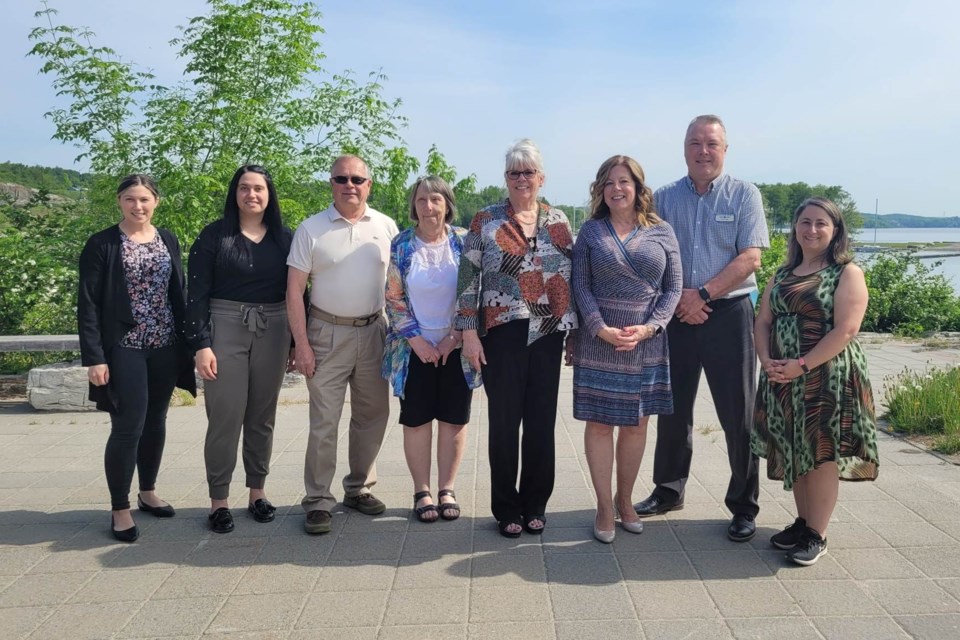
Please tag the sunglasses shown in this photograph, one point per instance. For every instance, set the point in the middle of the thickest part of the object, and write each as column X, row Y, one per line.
column 357, row 180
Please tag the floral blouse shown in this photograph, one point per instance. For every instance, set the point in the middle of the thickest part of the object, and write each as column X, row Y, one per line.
column 403, row 324
column 505, row 276
column 147, row 269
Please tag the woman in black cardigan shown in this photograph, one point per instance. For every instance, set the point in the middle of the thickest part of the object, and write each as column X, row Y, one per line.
column 130, row 312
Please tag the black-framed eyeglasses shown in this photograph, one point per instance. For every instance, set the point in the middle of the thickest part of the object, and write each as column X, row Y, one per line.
column 526, row 173
column 357, row 180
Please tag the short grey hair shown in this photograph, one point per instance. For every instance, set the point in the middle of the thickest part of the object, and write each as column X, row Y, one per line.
column 350, row 156
column 524, row 153
column 434, row 184
column 708, row 118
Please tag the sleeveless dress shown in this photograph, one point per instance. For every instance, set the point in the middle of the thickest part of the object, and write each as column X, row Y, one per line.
column 826, row 415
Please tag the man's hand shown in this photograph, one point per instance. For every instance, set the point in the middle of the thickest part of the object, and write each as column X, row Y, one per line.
column 691, row 308
column 306, row 361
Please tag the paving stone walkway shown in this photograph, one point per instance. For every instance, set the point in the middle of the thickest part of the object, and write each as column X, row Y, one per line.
column 893, row 570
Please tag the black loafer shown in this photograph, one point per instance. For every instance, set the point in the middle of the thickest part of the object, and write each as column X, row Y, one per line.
column 656, row 505
column 221, row 520
column 262, row 510
column 166, row 511
column 742, row 528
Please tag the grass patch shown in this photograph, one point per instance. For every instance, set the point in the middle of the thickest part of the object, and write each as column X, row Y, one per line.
column 927, row 403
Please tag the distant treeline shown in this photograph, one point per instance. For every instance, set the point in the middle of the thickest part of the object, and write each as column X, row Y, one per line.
column 51, row 179
column 895, row 220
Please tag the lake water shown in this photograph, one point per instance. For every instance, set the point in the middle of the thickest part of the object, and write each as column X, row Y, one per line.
column 950, row 267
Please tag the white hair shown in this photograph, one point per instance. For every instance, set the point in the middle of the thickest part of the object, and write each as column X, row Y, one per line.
column 524, row 153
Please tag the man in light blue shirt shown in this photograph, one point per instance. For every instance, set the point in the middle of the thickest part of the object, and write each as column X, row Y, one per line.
column 721, row 228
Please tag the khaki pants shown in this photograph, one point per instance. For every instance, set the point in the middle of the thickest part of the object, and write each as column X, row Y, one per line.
column 344, row 355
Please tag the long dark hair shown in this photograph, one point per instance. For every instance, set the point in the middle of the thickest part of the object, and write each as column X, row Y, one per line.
column 231, row 249
column 138, row 179
column 838, row 251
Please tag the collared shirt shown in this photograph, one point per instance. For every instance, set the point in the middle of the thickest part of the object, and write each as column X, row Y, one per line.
column 347, row 261
column 505, row 276
column 713, row 228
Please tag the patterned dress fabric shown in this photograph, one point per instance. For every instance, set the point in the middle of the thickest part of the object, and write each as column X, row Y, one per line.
column 403, row 323
column 827, row 415
column 147, row 270
column 505, row 277
column 620, row 283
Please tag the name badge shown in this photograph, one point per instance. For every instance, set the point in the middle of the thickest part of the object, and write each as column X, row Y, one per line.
column 725, row 217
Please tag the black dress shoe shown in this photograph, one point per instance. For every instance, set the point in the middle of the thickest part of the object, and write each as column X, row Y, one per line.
column 262, row 510
column 166, row 511
column 656, row 505
column 127, row 535
column 221, row 520
column 741, row 528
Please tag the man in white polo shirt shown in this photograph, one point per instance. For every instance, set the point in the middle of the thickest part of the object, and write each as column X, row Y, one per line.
column 344, row 252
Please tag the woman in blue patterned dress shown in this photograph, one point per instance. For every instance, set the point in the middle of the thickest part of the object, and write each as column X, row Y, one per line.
column 626, row 282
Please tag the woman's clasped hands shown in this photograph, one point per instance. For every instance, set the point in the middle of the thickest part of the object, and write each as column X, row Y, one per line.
column 627, row 338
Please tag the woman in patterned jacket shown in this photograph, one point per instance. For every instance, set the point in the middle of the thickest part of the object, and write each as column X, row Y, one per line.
column 514, row 293
column 422, row 358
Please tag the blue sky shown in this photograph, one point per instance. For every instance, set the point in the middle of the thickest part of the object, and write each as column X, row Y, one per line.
column 856, row 93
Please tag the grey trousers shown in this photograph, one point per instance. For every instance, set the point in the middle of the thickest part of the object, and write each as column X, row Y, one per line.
column 345, row 355
column 252, row 343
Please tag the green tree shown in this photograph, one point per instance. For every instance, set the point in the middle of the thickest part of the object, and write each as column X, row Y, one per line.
column 249, row 94
column 781, row 200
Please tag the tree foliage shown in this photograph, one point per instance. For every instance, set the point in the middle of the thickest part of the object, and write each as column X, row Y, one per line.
column 253, row 91
column 781, row 200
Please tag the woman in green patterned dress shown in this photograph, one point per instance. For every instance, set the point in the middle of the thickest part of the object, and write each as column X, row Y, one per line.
column 814, row 420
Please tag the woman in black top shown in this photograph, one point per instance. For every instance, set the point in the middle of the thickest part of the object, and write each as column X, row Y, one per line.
column 237, row 322
column 130, row 311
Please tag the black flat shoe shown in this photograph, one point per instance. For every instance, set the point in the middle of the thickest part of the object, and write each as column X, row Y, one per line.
column 656, row 505
column 262, row 510
column 127, row 535
column 166, row 511
column 221, row 520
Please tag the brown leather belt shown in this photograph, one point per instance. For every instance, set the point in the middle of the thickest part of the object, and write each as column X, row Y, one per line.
column 341, row 320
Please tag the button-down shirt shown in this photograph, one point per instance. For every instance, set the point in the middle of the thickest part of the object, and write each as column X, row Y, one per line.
column 713, row 228
column 347, row 261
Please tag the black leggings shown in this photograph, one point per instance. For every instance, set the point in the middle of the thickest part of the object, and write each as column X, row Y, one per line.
column 142, row 380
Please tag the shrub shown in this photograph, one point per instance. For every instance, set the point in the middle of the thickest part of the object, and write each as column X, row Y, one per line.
column 927, row 403
column 907, row 298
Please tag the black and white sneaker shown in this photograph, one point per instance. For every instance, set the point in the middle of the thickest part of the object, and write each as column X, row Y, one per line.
column 809, row 549
column 789, row 537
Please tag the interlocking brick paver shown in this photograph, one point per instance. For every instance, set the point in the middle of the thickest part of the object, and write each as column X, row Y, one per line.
column 892, row 571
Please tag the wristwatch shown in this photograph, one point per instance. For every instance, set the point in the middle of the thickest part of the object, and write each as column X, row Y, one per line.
column 803, row 365
column 704, row 294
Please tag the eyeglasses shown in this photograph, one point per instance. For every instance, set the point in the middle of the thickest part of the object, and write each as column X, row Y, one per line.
column 357, row 180
column 527, row 173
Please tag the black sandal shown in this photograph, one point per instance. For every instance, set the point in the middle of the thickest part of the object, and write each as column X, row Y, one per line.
column 503, row 524
column 448, row 506
column 420, row 512
column 535, row 531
